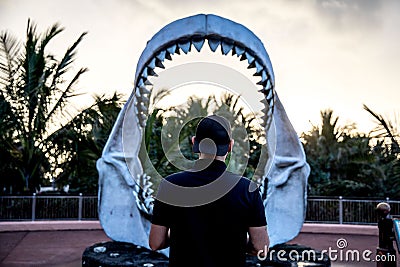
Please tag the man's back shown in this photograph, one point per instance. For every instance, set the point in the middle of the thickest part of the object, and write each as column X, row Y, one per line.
column 213, row 234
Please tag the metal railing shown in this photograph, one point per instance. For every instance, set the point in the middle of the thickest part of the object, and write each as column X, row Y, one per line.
column 16, row 208
column 346, row 211
column 319, row 210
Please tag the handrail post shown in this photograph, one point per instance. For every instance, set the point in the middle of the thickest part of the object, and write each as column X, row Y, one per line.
column 34, row 206
column 80, row 203
column 340, row 210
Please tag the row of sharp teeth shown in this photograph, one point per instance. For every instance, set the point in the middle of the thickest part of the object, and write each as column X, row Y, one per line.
column 142, row 91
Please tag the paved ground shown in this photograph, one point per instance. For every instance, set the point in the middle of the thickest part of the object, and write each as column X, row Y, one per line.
column 53, row 243
column 61, row 244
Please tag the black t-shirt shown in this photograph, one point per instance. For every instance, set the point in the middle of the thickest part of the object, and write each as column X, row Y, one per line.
column 215, row 233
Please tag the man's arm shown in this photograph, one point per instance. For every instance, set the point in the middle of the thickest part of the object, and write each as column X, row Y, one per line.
column 158, row 238
column 258, row 240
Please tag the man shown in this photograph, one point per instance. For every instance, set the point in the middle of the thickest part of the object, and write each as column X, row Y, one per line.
column 386, row 236
column 204, row 214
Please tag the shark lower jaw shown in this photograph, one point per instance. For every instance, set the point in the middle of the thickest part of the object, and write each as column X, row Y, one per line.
column 191, row 33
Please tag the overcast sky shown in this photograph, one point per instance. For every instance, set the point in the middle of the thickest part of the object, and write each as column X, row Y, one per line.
column 337, row 54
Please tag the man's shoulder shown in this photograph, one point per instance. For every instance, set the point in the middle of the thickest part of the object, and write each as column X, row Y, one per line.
column 178, row 178
column 183, row 179
column 177, row 175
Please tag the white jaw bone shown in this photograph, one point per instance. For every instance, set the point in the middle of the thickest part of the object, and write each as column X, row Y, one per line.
column 119, row 168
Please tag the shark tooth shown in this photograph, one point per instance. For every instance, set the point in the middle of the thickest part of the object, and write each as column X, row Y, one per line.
column 243, row 57
column 147, row 82
column 269, row 94
column 144, row 90
column 147, row 185
column 159, row 64
column 137, row 92
column 141, row 106
column 250, row 58
column 140, row 82
column 270, row 102
column 252, row 65
column 185, row 46
column 198, row 43
column 260, row 82
column 262, row 90
column 263, row 120
column 259, row 68
column 264, row 78
column 150, row 192
column 144, row 74
column 144, row 98
column 168, row 55
column 265, row 110
column 264, row 75
column 151, row 72
column 161, row 55
column 152, row 63
column 213, row 44
column 142, row 121
column 226, row 47
column 268, row 85
column 264, row 101
column 171, row 49
column 238, row 50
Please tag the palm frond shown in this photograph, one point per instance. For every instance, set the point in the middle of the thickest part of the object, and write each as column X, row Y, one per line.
column 9, row 54
column 384, row 128
column 65, row 95
column 50, row 34
column 66, row 61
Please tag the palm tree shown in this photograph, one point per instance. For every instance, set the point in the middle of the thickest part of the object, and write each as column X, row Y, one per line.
column 34, row 96
column 321, row 146
column 347, row 163
column 335, row 155
column 385, row 130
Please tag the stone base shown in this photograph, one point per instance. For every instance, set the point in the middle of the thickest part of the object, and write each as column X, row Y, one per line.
column 114, row 253
column 109, row 254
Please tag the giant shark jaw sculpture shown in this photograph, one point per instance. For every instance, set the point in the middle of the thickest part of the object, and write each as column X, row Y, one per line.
column 124, row 189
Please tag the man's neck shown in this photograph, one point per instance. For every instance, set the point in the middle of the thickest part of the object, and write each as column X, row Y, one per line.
column 209, row 156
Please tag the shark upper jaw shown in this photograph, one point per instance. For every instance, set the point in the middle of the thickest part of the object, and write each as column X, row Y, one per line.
column 183, row 34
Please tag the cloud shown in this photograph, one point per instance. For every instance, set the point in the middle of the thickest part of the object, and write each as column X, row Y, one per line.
column 325, row 53
column 345, row 15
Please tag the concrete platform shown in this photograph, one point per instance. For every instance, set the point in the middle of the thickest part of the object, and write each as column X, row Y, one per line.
column 47, row 243
column 61, row 243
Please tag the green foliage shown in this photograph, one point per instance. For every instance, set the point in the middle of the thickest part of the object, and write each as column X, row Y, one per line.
column 42, row 138
column 351, row 164
column 87, row 135
column 34, row 93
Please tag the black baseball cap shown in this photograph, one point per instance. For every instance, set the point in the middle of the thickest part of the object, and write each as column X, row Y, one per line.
column 213, row 135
